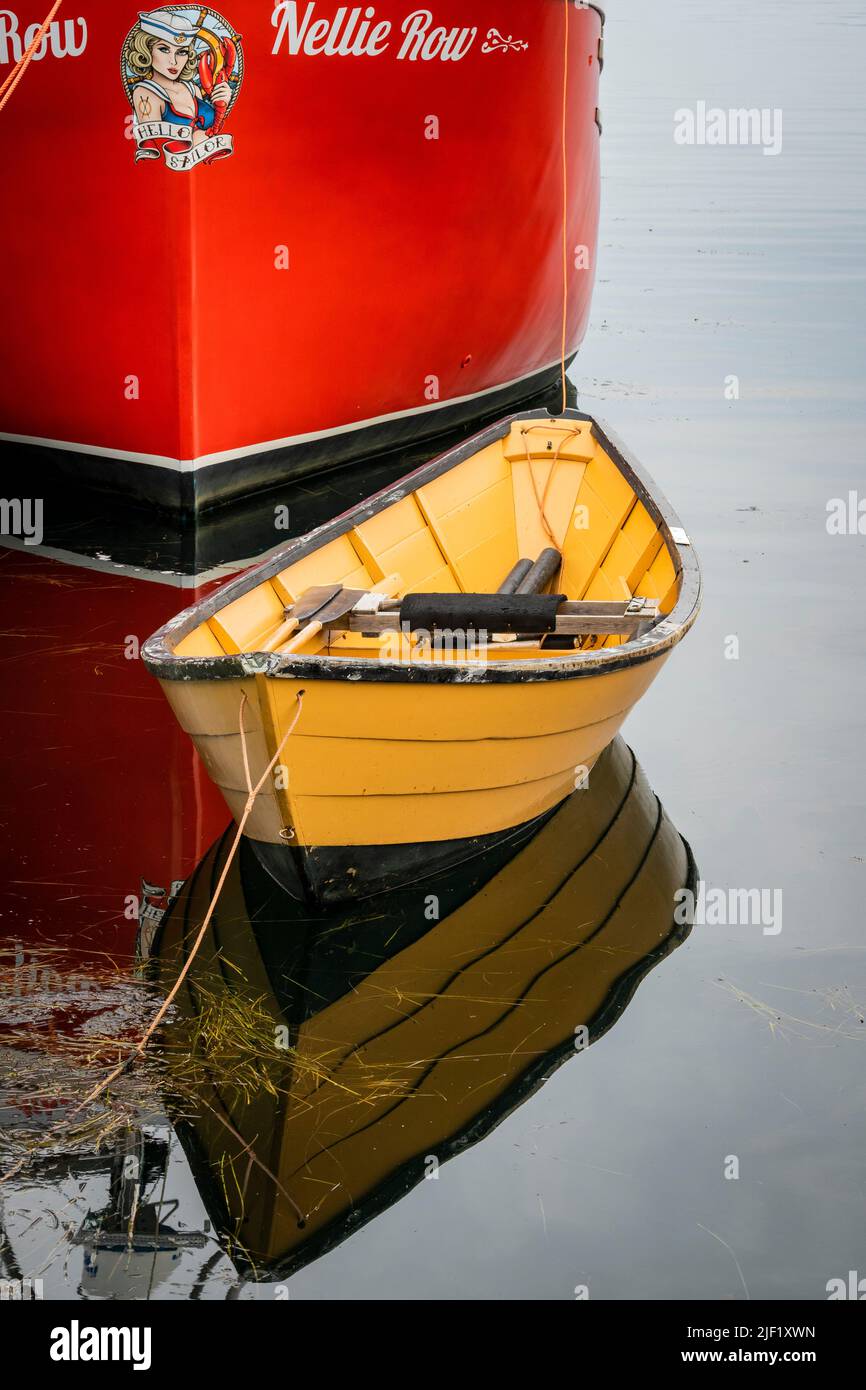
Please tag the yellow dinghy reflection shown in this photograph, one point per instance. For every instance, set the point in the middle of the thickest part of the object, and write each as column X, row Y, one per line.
column 368, row 1044
column 399, row 737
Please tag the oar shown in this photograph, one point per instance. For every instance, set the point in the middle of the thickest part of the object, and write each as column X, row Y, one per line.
column 517, row 609
column 528, row 578
column 329, row 606
column 515, row 577
column 539, row 575
column 310, row 602
column 361, row 610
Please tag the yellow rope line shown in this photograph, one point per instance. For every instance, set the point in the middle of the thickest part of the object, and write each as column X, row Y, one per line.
column 540, row 501
column 252, row 793
column 18, row 71
column 565, row 207
column 574, row 433
column 141, row 1046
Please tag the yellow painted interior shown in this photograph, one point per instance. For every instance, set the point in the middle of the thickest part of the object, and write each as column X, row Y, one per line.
column 546, row 482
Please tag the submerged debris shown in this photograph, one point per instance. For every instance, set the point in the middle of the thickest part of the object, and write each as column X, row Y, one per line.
column 64, row 1029
column 836, row 999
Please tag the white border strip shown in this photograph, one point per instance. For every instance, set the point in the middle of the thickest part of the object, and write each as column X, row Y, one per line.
column 105, row 565
column 207, row 460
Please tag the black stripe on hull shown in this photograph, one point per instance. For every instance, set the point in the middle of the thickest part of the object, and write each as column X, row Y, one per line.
column 333, row 874
column 49, row 469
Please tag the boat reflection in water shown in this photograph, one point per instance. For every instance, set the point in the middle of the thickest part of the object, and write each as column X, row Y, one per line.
column 324, row 1061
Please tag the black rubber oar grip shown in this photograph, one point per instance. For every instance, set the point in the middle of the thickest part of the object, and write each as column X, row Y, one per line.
column 481, row 612
column 514, row 578
column 545, row 568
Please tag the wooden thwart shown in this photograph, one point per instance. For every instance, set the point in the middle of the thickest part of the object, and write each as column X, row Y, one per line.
column 578, row 619
column 372, row 613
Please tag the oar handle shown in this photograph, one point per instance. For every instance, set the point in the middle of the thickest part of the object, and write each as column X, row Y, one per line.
column 515, row 577
column 539, row 575
column 306, row 633
column 282, row 634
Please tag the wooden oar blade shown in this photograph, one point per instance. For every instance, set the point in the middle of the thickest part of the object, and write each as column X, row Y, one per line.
column 309, row 603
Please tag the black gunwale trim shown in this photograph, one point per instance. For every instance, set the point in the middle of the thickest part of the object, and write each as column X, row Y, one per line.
column 160, row 660
column 256, row 469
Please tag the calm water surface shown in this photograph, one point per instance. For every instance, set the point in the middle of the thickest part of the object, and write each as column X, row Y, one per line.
column 740, row 1045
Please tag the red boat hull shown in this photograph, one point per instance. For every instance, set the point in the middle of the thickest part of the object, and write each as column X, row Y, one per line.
column 373, row 253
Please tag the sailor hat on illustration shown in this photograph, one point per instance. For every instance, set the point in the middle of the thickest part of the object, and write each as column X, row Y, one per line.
column 182, row 68
column 165, row 24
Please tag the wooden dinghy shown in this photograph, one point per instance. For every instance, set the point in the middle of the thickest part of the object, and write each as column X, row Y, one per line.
column 403, row 1034
column 442, row 662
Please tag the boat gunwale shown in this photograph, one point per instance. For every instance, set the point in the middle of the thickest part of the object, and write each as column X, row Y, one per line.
column 161, row 660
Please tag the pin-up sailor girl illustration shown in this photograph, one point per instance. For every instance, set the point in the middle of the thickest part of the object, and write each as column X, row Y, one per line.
column 181, row 77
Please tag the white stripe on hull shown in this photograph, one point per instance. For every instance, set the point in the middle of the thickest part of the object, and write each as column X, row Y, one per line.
column 249, row 450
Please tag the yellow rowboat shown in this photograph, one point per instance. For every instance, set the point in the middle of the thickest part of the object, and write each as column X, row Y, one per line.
column 413, row 684
column 369, row 1040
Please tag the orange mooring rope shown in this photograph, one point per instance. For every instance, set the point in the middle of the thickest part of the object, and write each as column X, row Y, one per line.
column 541, row 501
column 141, row 1046
column 252, row 793
column 565, row 206
column 18, row 71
